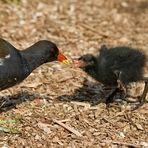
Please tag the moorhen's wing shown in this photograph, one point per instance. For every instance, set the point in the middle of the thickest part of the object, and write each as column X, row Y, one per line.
column 12, row 66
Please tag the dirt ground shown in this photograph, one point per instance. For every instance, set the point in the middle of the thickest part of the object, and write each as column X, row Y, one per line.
column 59, row 106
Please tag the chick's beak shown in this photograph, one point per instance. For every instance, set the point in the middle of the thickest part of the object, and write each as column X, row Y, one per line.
column 78, row 63
column 61, row 58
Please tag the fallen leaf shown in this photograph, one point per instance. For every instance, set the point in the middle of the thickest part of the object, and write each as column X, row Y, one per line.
column 44, row 127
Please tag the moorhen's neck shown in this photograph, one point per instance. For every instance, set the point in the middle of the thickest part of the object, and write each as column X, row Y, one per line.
column 33, row 58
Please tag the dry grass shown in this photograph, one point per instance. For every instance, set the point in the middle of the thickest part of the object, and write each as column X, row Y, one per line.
column 65, row 108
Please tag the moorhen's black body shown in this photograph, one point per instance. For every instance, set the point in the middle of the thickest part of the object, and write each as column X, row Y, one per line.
column 117, row 66
column 16, row 65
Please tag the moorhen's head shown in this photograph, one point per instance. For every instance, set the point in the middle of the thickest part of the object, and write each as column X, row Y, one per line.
column 42, row 52
column 87, row 63
column 49, row 51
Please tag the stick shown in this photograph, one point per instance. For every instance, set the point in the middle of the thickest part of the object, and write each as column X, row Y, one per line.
column 68, row 128
column 109, row 122
column 126, row 144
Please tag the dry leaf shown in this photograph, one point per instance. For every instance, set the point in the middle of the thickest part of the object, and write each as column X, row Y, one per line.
column 44, row 127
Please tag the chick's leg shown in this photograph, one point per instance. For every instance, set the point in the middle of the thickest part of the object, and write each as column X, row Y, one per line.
column 110, row 96
column 143, row 96
column 120, row 84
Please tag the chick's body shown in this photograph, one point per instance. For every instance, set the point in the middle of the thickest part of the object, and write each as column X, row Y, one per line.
column 117, row 67
column 121, row 63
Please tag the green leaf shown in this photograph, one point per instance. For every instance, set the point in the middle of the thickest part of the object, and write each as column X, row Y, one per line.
column 9, row 130
column 9, row 121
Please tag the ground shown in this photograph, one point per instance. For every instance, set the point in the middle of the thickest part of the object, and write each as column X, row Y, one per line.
column 61, row 106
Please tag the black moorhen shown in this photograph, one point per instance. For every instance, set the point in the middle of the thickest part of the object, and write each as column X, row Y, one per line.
column 117, row 67
column 16, row 65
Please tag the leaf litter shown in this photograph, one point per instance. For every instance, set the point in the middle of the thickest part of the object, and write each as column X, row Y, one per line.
column 59, row 106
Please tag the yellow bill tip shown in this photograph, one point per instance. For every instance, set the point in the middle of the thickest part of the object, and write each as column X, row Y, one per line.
column 67, row 62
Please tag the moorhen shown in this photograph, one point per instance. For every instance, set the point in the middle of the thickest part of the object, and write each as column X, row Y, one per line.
column 16, row 65
column 117, row 67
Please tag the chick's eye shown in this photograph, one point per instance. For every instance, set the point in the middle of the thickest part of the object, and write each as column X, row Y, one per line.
column 84, row 58
column 81, row 58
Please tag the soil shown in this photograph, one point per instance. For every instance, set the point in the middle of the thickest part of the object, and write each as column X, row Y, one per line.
column 61, row 106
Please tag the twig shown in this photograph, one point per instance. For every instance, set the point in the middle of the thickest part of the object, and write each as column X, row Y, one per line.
column 65, row 120
column 68, row 128
column 133, row 123
column 93, row 29
column 81, row 104
column 35, row 127
column 66, row 79
column 126, row 144
column 89, row 27
column 109, row 122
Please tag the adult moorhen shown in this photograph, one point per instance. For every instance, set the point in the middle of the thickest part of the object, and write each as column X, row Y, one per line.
column 117, row 67
column 16, row 65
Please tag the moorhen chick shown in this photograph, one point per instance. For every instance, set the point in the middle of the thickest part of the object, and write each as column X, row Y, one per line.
column 117, row 67
column 16, row 65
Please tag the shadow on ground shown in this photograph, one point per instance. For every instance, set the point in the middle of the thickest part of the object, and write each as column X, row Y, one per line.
column 11, row 101
column 93, row 93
